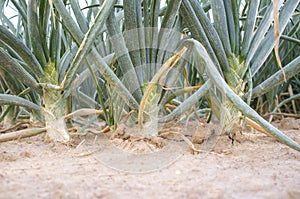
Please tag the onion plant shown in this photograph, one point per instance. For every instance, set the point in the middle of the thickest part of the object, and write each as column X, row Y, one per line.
column 135, row 57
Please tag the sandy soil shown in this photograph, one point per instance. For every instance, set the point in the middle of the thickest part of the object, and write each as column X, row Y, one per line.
column 254, row 166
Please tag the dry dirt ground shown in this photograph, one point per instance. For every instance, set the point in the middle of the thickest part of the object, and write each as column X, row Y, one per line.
column 254, row 166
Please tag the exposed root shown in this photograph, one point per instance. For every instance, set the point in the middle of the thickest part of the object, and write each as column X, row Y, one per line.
column 136, row 143
column 88, row 130
column 87, row 153
column 190, row 144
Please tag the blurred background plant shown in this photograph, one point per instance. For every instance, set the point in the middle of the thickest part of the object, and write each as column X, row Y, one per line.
column 125, row 58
